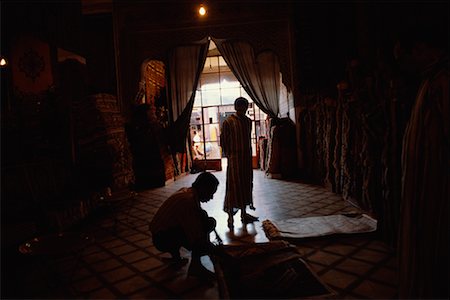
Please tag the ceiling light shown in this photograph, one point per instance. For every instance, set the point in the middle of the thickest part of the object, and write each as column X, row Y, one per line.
column 3, row 62
column 202, row 10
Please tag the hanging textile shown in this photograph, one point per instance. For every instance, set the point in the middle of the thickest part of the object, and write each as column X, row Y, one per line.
column 259, row 75
column 185, row 66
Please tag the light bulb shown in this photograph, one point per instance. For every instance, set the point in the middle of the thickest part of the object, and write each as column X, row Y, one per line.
column 202, row 10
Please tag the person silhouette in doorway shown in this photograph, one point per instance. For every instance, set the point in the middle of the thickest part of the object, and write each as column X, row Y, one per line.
column 235, row 140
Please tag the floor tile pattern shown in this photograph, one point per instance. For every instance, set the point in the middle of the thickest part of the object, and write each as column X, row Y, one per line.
column 122, row 263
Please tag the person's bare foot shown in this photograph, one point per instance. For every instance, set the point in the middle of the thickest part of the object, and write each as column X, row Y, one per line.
column 247, row 218
column 176, row 262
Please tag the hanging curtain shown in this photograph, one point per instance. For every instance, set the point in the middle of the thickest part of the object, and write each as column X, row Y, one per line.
column 140, row 93
column 185, row 66
column 259, row 76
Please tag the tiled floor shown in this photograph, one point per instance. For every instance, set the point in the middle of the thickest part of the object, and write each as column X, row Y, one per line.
column 125, row 265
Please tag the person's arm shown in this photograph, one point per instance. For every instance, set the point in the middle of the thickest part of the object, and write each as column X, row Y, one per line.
column 191, row 221
column 224, row 138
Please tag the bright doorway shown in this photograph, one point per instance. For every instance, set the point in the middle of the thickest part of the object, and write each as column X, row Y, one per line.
column 214, row 102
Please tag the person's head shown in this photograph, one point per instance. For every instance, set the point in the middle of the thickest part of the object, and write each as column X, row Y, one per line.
column 241, row 105
column 419, row 46
column 206, row 185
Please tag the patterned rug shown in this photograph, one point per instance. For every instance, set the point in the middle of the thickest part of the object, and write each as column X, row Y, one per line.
column 266, row 270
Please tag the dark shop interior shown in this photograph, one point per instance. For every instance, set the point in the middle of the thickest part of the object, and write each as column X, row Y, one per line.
column 109, row 107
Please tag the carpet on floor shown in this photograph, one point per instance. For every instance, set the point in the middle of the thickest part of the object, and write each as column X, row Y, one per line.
column 272, row 270
column 300, row 228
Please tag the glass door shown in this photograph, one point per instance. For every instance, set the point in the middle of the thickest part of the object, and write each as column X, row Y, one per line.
column 211, row 132
column 205, row 135
column 206, row 123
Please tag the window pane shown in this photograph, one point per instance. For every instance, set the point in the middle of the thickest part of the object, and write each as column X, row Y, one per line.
column 211, row 97
column 212, row 133
column 228, row 80
column 196, row 128
column 196, row 116
column 245, row 95
column 222, row 63
column 196, row 133
column 209, row 81
column 229, row 95
column 253, row 147
column 257, row 129
column 257, row 113
column 211, row 114
column 226, row 108
column 197, row 142
column 197, row 99
column 253, row 131
column 212, row 150
column 263, row 128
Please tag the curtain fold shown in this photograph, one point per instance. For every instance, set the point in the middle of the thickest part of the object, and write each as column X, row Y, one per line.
column 259, row 75
column 185, row 66
column 269, row 74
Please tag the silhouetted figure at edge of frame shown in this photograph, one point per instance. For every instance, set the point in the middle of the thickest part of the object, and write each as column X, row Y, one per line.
column 423, row 248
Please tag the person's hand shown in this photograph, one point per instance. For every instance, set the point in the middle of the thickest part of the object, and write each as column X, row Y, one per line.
column 219, row 251
column 218, row 240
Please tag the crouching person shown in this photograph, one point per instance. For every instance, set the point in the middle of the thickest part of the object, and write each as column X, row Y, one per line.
column 181, row 222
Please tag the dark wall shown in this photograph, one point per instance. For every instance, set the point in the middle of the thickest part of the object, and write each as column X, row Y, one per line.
column 329, row 35
column 56, row 22
column 324, row 39
column 98, row 45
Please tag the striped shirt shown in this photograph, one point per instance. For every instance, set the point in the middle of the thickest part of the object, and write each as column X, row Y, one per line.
column 183, row 210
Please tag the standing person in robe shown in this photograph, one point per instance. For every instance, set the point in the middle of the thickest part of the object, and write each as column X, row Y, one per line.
column 424, row 230
column 235, row 140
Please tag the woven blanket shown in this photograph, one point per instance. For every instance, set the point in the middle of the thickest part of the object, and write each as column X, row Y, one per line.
column 298, row 228
column 271, row 270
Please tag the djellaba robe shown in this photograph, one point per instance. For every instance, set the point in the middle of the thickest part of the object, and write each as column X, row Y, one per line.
column 236, row 146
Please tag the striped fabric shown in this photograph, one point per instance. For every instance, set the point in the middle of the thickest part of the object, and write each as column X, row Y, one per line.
column 236, row 146
column 424, row 231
